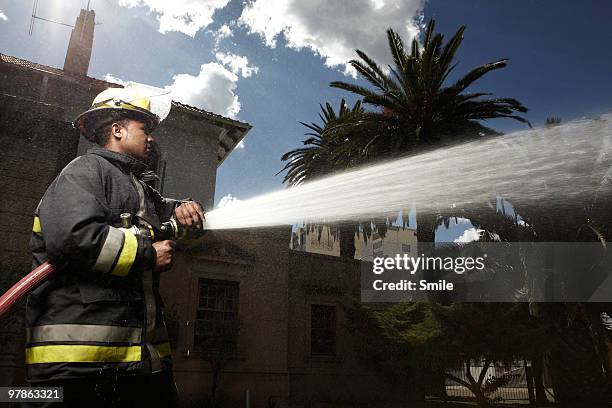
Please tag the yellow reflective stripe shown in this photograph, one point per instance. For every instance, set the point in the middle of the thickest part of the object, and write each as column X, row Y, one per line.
column 127, row 255
column 143, row 103
column 36, row 227
column 82, row 354
column 163, row 349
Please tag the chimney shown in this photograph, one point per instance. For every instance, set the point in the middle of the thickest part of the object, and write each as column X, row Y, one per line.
column 81, row 41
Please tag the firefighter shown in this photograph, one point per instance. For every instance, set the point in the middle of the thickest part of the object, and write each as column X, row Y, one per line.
column 97, row 328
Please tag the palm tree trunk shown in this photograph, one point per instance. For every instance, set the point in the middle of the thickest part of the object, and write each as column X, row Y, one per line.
column 426, row 236
column 425, row 227
column 576, row 370
column 347, row 241
column 537, row 368
column 575, row 364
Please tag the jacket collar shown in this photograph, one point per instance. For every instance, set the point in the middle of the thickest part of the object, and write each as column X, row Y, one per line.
column 126, row 163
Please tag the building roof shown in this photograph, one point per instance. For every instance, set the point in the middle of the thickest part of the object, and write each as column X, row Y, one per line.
column 234, row 130
column 51, row 70
column 211, row 115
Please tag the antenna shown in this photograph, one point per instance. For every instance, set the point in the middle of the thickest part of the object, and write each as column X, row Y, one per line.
column 36, row 17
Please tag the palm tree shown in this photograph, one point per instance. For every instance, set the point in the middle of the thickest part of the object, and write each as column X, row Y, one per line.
column 414, row 108
column 323, row 155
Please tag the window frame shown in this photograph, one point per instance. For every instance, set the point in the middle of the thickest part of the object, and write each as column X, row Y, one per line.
column 334, row 330
column 199, row 281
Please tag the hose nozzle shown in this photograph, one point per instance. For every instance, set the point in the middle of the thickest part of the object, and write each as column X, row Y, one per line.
column 174, row 231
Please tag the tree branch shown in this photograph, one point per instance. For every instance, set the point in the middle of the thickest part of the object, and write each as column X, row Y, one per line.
column 468, row 372
column 458, row 380
column 483, row 372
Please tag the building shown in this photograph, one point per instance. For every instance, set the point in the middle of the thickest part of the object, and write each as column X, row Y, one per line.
column 325, row 241
column 280, row 313
column 291, row 345
column 37, row 106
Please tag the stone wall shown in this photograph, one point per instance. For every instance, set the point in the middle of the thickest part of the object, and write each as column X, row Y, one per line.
column 256, row 260
column 341, row 378
column 36, row 146
column 277, row 288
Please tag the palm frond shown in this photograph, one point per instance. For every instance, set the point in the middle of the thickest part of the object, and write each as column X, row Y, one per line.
column 397, row 49
column 323, row 152
column 429, row 31
column 416, row 107
column 374, row 71
column 474, row 75
column 448, row 54
column 357, row 89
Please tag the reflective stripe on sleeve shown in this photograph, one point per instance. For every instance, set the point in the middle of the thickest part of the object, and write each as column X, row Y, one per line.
column 127, row 255
column 83, row 333
column 111, row 248
column 82, row 354
column 36, row 226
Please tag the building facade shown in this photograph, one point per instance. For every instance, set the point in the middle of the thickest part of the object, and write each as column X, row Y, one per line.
column 37, row 106
column 325, row 241
column 282, row 318
column 247, row 315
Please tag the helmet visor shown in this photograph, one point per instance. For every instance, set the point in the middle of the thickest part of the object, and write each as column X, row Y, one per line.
column 156, row 100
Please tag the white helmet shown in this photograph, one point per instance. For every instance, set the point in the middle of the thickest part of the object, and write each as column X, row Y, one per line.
column 135, row 101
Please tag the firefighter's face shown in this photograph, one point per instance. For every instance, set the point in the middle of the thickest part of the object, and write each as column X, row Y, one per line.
column 135, row 140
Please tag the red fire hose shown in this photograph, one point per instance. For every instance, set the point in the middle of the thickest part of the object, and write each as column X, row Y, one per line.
column 168, row 230
column 25, row 286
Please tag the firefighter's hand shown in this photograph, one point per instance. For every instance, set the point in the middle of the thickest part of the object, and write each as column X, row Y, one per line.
column 165, row 252
column 190, row 214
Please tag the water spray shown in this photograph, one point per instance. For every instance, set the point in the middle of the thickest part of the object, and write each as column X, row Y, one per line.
column 565, row 166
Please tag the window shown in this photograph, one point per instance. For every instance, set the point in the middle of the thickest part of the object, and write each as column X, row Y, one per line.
column 323, row 330
column 377, row 247
column 216, row 326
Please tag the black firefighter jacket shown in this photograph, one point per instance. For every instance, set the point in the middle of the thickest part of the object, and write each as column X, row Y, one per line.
column 102, row 312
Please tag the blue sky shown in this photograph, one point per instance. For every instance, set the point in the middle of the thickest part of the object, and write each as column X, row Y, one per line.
column 270, row 62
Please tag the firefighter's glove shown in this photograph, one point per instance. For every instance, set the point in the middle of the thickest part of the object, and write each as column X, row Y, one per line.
column 190, row 216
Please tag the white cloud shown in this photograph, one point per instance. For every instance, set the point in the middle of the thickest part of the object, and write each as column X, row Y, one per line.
column 228, row 201
column 239, row 65
column 3, row 16
column 111, row 78
column 469, row 235
column 213, row 89
column 185, row 16
column 334, row 29
column 224, row 32
column 240, row 145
